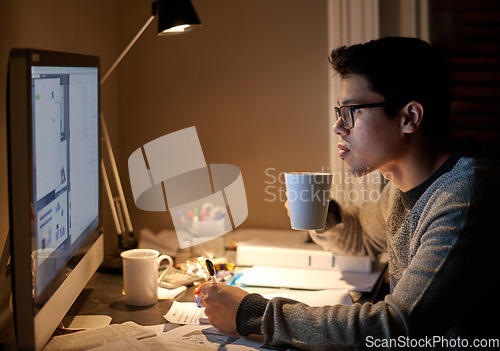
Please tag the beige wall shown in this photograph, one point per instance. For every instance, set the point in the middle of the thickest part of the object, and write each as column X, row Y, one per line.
column 80, row 26
column 253, row 81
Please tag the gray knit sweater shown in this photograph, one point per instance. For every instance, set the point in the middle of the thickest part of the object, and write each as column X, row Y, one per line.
column 442, row 240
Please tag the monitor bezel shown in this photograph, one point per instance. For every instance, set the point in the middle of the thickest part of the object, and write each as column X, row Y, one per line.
column 34, row 325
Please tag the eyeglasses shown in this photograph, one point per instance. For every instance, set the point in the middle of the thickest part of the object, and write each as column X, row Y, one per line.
column 346, row 113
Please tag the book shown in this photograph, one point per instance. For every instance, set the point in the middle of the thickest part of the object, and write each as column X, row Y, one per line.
column 247, row 255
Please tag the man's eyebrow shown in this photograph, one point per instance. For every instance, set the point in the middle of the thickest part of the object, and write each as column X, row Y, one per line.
column 347, row 102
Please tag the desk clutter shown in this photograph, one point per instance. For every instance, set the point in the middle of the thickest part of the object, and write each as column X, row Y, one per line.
column 258, row 262
column 187, row 329
column 282, row 268
column 131, row 336
column 281, row 259
column 175, row 278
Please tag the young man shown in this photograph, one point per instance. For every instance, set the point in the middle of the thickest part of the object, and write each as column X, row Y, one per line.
column 435, row 218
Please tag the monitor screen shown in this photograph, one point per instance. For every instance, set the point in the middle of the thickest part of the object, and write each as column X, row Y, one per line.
column 54, row 156
column 65, row 166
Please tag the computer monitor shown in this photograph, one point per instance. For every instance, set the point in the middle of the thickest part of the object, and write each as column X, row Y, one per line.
column 54, row 194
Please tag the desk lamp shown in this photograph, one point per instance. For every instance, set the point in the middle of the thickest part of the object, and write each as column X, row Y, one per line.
column 174, row 17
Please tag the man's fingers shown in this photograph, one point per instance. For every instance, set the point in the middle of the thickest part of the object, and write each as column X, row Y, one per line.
column 201, row 301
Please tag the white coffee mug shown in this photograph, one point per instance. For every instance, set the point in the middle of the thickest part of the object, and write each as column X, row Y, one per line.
column 308, row 195
column 140, row 275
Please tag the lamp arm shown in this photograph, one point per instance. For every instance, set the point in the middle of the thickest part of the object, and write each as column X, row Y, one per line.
column 107, row 187
column 132, row 42
column 119, row 209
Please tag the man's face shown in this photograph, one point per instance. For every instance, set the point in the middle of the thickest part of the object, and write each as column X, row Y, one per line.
column 375, row 140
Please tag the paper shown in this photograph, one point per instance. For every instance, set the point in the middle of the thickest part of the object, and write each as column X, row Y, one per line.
column 164, row 294
column 185, row 313
column 156, row 344
column 196, row 337
column 87, row 339
column 127, row 344
column 132, row 344
column 298, row 278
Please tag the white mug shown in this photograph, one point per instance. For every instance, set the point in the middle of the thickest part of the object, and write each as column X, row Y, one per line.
column 140, row 275
column 308, row 195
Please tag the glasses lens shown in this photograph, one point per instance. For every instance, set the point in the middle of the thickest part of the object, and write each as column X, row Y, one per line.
column 347, row 120
column 337, row 113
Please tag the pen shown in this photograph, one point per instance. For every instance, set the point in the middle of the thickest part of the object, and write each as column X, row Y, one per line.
column 194, row 216
column 236, row 277
column 187, row 226
column 211, row 271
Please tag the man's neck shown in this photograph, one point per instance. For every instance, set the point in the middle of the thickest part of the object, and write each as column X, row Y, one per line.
column 416, row 166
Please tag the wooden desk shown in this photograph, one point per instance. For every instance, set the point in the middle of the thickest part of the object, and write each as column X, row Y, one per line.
column 103, row 295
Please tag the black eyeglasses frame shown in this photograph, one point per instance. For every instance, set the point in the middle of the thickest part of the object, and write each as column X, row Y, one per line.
column 349, row 124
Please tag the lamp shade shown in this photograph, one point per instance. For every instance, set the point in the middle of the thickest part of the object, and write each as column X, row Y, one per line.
column 176, row 17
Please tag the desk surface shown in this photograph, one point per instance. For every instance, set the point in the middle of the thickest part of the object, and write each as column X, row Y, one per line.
column 103, row 295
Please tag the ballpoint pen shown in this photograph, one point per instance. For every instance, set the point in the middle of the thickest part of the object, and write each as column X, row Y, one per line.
column 211, row 271
column 186, row 225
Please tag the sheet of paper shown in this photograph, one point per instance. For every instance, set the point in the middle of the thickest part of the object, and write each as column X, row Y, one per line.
column 185, row 313
column 298, row 278
column 131, row 344
column 95, row 337
column 127, row 344
column 164, row 294
column 157, row 329
column 157, row 344
column 203, row 337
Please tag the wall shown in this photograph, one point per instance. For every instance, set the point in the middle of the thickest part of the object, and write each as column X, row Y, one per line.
column 253, row 80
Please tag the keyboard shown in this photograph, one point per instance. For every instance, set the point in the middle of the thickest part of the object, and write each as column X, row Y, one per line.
column 175, row 278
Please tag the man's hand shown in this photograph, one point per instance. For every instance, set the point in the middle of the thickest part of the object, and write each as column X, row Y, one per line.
column 221, row 303
column 287, row 209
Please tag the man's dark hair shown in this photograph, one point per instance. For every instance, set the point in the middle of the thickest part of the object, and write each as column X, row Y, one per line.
column 401, row 70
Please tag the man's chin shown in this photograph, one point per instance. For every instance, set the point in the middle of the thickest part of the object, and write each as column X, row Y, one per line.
column 357, row 171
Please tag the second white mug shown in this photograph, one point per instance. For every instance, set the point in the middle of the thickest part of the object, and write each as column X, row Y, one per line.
column 140, row 275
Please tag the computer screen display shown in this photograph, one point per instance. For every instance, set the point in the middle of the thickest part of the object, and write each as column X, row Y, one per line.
column 54, row 193
column 65, row 166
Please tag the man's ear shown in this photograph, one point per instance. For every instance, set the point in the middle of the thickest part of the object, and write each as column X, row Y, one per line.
column 412, row 117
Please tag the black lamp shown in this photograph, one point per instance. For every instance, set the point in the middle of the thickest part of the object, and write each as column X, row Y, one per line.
column 174, row 17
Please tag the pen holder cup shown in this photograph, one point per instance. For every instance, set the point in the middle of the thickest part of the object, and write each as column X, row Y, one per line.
column 210, row 236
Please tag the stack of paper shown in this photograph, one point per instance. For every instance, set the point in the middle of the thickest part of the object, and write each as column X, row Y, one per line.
column 298, row 278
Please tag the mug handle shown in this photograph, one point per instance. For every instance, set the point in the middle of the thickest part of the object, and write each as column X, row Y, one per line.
column 170, row 265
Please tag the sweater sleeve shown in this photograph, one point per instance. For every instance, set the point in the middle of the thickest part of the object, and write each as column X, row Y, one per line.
column 249, row 314
column 357, row 230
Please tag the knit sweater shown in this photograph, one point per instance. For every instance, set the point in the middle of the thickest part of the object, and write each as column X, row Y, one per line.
column 442, row 240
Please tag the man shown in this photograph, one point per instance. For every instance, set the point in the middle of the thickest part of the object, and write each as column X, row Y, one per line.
column 434, row 218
